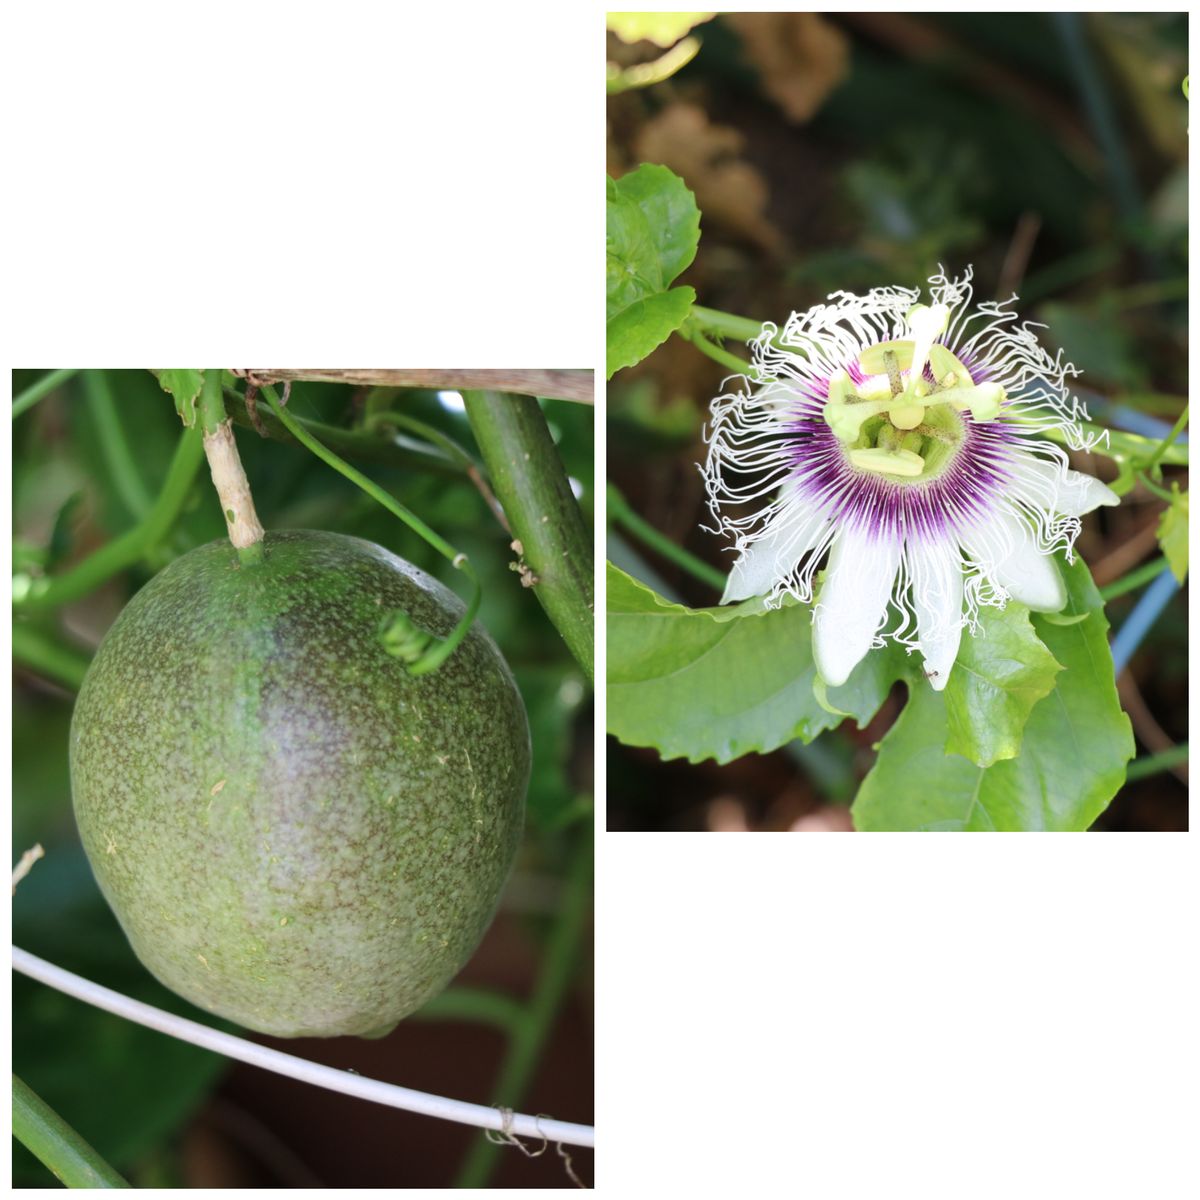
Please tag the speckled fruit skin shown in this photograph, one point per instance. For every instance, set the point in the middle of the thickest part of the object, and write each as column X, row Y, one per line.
column 294, row 832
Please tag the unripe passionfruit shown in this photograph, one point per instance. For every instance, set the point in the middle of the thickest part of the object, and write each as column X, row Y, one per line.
column 294, row 831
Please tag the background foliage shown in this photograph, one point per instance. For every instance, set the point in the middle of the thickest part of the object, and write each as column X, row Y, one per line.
column 88, row 462
column 855, row 150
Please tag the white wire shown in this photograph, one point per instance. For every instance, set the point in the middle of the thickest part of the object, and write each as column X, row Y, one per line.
column 521, row 1124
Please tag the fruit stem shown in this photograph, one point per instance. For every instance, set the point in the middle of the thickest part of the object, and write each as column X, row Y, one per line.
column 228, row 476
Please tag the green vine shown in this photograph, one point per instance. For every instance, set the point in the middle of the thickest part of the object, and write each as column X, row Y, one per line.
column 437, row 650
column 54, row 1143
column 547, row 526
column 33, row 595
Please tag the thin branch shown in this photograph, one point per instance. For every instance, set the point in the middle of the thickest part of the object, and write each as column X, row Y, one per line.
column 525, row 1047
column 621, row 514
column 130, row 546
column 381, row 446
column 549, row 532
column 40, row 652
column 44, row 386
column 298, row 1068
column 424, row 430
column 1164, row 760
column 555, row 385
column 26, row 864
column 54, row 1143
column 1134, row 580
column 432, row 655
column 719, row 354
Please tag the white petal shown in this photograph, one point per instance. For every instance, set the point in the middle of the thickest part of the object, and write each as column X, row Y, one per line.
column 1006, row 550
column 937, row 585
column 853, row 601
column 773, row 554
column 1059, row 489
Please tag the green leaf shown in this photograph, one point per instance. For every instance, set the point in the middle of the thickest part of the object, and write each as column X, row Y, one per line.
column 722, row 682
column 185, row 387
column 1073, row 754
column 62, row 536
column 662, row 29
column 670, row 213
column 644, row 326
column 653, row 230
column 999, row 675
column 1173, row 533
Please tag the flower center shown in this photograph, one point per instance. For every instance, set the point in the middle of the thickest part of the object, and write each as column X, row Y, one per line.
column 903, row 419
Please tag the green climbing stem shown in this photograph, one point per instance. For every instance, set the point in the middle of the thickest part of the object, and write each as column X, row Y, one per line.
column 723, row 324
column 53, row 1142
column 130, row 547
column 377, row 444
column 228, row 475
column 718, row 353
column 528, row 478
column 1152, row 764
column 473, row 1004
column 1165, row 445
column 440, row 650
column 44, row 386
column 554, row 976
column 40, row 652
column 118, row 455
column 423, row 430
column 1135, row 579
column 621, row 514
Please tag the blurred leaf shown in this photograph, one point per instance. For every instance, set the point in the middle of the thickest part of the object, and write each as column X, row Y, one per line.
column 70, row 1052
column 553, row 703
column 1000, row 674
column 722, row 682
column 1098, row 343
column 918, row 195
column 62, row 537
column 663, row 29
column 653, row 230
column 801, row 57
column 1173, row 533
column 730, row 192
column 1072, row 758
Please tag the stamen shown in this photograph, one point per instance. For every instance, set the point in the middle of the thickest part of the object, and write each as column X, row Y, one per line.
column 948, row 367
column 983, row 400
column 845, row 412
column 888, row 462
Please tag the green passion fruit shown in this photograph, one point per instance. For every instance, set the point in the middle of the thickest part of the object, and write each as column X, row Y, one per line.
column 295, row 832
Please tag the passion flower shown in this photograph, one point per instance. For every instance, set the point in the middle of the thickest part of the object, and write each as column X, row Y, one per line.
column 906, row 446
